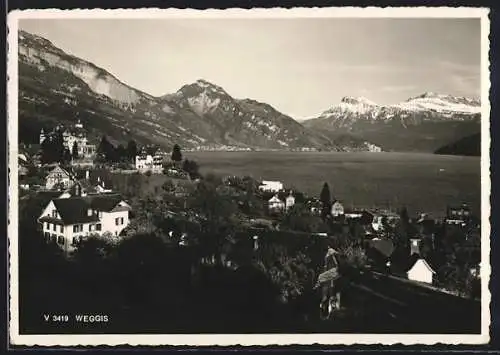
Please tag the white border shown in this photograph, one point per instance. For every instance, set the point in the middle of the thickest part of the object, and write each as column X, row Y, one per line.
column 247, row 339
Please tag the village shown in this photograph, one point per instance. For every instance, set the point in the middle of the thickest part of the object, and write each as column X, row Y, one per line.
column 99, row 192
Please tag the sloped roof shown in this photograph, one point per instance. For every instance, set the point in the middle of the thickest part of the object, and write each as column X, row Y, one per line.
column 58, row 168
column 105, row 203
column 75, row 209
column 384, row 246
column 275, row 198
column 416, row 258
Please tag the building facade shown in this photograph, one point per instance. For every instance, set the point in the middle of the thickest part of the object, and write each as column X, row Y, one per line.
column 150, row 162
column 271, row 186
column 289, row 201
column 59, row 178
column 66, row 221
column 458, row 215
column 71, row 135
column 275, row 204
column 421, row 271
column 337, row 209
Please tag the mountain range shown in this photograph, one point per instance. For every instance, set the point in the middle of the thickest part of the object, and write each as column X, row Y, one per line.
column 422, row 123
column 56, row 87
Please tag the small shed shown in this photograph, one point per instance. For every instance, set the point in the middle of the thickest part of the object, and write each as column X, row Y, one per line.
column 421, row 271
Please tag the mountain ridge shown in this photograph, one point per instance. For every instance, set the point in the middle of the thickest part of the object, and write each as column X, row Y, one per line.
column 56, row 86
column 423, row 122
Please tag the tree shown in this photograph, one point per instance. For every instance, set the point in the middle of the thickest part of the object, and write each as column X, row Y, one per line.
column 106, row 152
column 53, row 149
column 326, row 200
column 192, row 168
column 131, row 150
column 217, row 218
column 121, row 153
column 74, row 150
column 404, row 230
column 176, row 154
column 66, row 156
column 299, row 219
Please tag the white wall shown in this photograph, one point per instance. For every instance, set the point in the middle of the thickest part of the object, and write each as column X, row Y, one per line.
column 420, row 272
column 337, row 209
column 273, row 186
column 108, row 221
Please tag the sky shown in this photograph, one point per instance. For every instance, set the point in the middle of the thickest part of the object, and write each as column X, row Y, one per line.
column 302, row 67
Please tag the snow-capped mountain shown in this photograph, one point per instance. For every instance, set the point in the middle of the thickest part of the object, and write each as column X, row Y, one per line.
column 424, row 122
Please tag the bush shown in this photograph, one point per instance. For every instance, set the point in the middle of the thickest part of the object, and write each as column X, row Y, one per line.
column 354, row 256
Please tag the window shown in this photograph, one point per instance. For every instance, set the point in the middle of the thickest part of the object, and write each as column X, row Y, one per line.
column 75, row 228
column 53, row 238
column 116, row 221
column 54, row 213
column 91, row 227
column 54, row 227
column 60, row 240
column 453, row 212
column 61, row 229
column 47, row 225
column 76, row 240
column 89, row 212
column 98, row 226
column 121, row 220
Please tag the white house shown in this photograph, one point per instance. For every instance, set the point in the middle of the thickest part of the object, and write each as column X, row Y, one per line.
column 67, row 220
column 59, row 177
column 273, row 186
column 378, row 220
column 337, row 209
column 148, row 162
column 289, row 201
column 353, row 214
column 76, row 134
column 275, row 204
column 421, row 271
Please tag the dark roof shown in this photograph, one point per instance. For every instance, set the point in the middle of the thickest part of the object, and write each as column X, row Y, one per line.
column 383, row 246
column 105, row 202
column 75, row 209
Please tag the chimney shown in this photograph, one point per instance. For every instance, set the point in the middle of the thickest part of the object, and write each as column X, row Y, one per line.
column 415, row 246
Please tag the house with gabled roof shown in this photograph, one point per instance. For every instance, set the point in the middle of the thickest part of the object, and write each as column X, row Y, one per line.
column 420, row 270
column 67, row 220
column 275, row 204
column 59, row 178
column 337, row 209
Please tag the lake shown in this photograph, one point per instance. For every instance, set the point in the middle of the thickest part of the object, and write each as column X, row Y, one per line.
column 421, row 182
